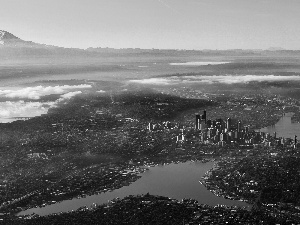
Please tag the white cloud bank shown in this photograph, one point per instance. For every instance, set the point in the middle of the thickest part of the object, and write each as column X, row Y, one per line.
column 10, row 109
column 225, row 79
column 69, row 95
column 197, row 63
column 39, row 91
column 232, row 79
column 160, row 81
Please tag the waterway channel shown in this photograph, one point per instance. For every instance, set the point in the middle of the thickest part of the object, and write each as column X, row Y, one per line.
column 173, row 180
column 284, row 127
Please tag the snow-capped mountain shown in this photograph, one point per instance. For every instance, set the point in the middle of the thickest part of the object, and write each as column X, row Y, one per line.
column 8, row 39
column 2, row 38
column 12, row 47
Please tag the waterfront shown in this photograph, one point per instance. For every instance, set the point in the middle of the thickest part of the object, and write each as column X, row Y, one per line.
column 284, row 127
column 174, row 180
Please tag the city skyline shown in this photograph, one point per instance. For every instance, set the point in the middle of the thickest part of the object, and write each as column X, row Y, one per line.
column 162, row 24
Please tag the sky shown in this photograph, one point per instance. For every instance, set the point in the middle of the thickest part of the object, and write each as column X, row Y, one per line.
column 164, row 24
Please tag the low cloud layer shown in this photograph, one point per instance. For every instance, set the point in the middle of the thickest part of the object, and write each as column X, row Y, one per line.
column 225, row 79
column 10, row 109
column 160, row 81
column 197, row 63
column 39, row 91
column 231, row 79
column 70, row 95
column 20, row 108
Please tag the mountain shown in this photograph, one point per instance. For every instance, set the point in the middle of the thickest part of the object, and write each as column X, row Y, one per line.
column 14, row 48
column 9, row 40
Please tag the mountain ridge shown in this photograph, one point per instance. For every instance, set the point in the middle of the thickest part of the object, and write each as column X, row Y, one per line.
column 9, row 40
column 12, row 47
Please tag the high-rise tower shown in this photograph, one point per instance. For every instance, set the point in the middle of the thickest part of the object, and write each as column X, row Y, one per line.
column 197, row 126
column 228, row 125
column 239, row 126
column 204, row 116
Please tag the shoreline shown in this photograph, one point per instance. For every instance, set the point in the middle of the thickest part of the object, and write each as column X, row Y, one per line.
column 165, row 164
column 213, row 188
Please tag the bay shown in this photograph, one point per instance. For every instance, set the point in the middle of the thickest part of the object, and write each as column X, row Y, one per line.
column 174, row 180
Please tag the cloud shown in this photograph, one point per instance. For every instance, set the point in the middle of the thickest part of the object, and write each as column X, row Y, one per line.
column 197, row 63
column 20, row 108
column 70, row 94
column 101, row 91
column 224, row 79
column 10, row 109
column 38, row 91
column 160, row 81
column 235, row 79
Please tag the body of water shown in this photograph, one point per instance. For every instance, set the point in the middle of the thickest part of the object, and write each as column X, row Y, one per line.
column 174, row 180
column 284, row 127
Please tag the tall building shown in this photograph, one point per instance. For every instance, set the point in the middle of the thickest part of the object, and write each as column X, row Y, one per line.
column 219, row 124
column 197, row 122
column 150, row 126
column 204, row 116
column 209, row 123
column 247, row 129
column 239, row 126
column 203, row 125
column 223, row 137
column 282, row 141
column 228, row 125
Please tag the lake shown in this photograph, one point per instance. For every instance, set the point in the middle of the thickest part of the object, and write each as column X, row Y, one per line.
column 284, row 127
column 174, row 180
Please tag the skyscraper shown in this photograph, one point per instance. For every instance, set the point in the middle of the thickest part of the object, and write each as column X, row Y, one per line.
column 228, row 125
column 203, row 125
column 197, row 122
column 239, row 126
column 204, row 116
column 209, row 123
